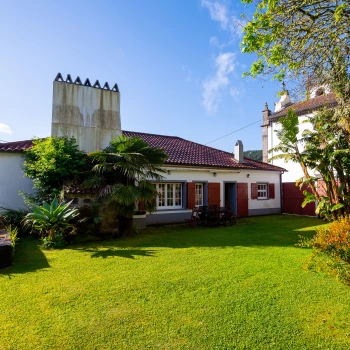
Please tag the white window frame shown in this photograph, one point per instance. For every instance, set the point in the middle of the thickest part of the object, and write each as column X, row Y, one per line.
column 199, row 194
column 169, row 187
column 263, row 192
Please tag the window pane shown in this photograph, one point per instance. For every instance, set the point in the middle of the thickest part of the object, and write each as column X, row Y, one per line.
column 199, row 194
column 161, row 195
column 178, row 194
column 170, row 195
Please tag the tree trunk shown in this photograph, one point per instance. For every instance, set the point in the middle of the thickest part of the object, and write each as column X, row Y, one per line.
column 52, row 234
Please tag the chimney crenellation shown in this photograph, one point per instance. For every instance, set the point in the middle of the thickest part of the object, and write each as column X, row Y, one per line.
column 87, row 83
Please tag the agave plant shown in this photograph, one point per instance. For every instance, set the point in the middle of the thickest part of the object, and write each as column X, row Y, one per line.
column 51, row 218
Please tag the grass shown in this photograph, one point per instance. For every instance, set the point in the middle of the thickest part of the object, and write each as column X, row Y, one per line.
column 241, row 287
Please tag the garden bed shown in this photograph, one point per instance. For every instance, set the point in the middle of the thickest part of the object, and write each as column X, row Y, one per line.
column 6, row 250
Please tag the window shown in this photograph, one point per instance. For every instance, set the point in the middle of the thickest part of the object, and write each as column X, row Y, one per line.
column 169, row 195
column 262, row 191
column 198, row 195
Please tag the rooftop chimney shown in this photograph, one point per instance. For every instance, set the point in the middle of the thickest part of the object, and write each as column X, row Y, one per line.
column 239, row 151
column 89, row 113
column 284, row 100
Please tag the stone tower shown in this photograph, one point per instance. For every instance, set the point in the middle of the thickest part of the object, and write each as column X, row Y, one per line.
column 89, row 113
column 265, row 128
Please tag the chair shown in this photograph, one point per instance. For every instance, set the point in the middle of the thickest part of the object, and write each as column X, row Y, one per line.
column 227, row 216
column 213, row 218
column 193, row 221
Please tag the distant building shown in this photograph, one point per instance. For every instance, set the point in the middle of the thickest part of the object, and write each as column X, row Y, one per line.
column 319, row 97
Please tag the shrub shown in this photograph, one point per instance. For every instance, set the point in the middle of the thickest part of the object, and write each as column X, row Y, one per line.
column 334, row 239
column 13, row 234
column 13, row 218
column 51, row 219
column 52, row 162
column 331, row 249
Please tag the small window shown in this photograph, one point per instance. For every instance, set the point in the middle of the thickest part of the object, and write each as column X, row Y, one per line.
column 198, row 195
column 320, row 92
column 262, row 191
column 169, row 195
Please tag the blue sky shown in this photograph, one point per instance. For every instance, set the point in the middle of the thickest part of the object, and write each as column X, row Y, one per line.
column 177, row 63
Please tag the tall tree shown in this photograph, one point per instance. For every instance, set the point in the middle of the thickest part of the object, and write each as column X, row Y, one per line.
column 122, row 173
column 301, row 39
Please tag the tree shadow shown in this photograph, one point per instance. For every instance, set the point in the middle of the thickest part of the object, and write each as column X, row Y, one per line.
column 28, row 257
column 267, row 231
column 122, row 253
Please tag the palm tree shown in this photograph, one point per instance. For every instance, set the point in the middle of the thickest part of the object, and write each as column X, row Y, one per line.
column 122, row 174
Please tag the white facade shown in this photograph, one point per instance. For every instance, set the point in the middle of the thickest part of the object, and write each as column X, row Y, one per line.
column 12, row 181
column 185, row 175
column 294, row 171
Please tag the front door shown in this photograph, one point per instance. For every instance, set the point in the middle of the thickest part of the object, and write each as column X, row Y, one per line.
column 231, row 196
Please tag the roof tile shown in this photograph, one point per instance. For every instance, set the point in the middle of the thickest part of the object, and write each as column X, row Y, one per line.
column 180, row 152
column 308, row 106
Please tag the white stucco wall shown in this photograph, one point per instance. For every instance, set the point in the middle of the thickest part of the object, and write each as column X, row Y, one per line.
column 222, row 176
column 12, row 180
column 294, row 169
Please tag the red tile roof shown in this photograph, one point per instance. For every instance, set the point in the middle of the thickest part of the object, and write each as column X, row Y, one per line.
column 184, row 152
column 180, row 152
column 17, row 146
column 308, row 106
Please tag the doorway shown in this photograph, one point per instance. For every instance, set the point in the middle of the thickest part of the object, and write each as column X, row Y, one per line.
column 231, row 195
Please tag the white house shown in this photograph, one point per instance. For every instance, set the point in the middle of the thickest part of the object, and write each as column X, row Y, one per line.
column 195, row 174
column 319, row 97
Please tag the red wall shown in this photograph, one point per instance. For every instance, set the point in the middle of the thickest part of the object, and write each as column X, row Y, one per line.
column 293, row 197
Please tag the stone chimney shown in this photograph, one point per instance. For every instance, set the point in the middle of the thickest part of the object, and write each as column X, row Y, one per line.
column 265, row 128
column 89, row 113
column 284, row 100
column 239, row 151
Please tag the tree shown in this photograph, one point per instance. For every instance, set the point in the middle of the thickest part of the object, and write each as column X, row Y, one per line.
column 327, row 150
column 289, row 148
column 51, row 162
column 122, row 174
column 255, row 154
column 301, row 39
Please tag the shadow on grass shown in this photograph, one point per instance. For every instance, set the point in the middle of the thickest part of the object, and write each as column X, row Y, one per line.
column 122, row 253
column 267, row 231
column 28, row 257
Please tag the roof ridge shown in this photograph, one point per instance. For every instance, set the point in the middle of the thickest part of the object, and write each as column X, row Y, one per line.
column 147, row 133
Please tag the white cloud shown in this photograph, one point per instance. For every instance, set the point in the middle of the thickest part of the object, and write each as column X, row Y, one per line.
column 220, row 12
column 5, row 129
column 212, row 87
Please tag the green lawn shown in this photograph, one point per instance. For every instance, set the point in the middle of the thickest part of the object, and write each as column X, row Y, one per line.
column 240, row 287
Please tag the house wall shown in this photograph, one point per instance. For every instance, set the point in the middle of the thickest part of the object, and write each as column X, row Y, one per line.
column 185, row 175
column 12, row 180
column 294, row 171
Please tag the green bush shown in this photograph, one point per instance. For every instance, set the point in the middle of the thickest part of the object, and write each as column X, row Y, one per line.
column 331, row 249
column 14, row 218
column 51, row 219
